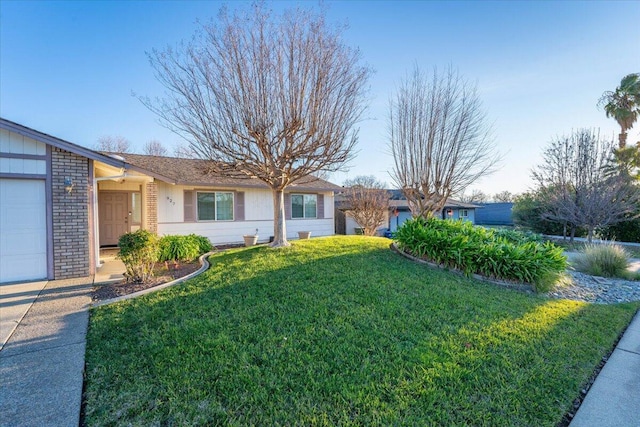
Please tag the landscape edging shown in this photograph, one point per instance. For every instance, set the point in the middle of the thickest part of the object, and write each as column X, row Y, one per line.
column 204, row 266
column 520, row 287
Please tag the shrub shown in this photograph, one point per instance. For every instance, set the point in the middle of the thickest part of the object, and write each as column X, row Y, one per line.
column 603, row 260
column 183, row 248
column 139, row 253
column 508, row 255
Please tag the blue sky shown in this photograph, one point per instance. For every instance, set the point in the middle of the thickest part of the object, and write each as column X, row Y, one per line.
column 69, row 68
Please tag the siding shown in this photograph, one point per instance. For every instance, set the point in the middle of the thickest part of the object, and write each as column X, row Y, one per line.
column 258, row 208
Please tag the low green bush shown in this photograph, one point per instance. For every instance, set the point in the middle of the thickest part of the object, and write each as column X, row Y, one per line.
column 510, row 256
column 603, row 260
column 183, row 248
column 139, row 253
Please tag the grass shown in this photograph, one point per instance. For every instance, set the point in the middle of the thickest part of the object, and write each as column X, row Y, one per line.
column 340, row 331
column 576, row 246
column 603, row 260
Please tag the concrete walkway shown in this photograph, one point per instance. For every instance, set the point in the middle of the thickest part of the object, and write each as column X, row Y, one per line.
column 42, row 361
column 614, row 398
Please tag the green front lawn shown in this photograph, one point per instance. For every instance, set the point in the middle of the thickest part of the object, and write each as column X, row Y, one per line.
column 340, row 331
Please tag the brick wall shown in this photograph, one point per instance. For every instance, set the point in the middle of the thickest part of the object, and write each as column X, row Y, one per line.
column 152, row 206
column 70, row 215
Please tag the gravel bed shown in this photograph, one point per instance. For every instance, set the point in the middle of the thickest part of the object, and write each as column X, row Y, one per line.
column 599, row 290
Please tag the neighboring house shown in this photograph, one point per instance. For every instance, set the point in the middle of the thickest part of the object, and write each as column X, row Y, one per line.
column 495, row 214
column 399, row 212
column 60, row 202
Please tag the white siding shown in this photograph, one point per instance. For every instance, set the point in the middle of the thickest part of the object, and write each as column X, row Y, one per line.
column 23, row 166
column 258, row 205
column 11, row 142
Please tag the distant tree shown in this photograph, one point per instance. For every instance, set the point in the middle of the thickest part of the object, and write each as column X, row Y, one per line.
column 184, row 152
column 476, row 196
column 439, row 137
column 623, row 105
column 504, row 197
column 113, row 144
column 578, row 192
column 530, row 210
column 154, row 148
column 368, row 202
column 271, row 97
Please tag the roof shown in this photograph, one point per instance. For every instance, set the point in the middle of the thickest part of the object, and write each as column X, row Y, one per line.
column 196, row 172
column 399, row 201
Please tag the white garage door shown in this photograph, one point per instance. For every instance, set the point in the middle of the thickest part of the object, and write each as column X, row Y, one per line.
column 23, row 230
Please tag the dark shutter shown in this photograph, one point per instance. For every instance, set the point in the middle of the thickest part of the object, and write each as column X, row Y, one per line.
column 287, row 206
column 320, row 207
column 189, row 206
column 238, row 209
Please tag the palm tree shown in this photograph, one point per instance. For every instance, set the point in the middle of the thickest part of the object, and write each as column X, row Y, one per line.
column 623, row 104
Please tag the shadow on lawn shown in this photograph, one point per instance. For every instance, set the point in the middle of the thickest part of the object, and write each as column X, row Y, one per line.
column 286, row 336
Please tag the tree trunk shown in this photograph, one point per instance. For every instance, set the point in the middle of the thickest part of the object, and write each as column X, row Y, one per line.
column 590, row 235
column 573, row 233
column 279, row 225
column 622, row 140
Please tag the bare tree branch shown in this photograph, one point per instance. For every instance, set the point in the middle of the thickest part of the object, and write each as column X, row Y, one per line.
column 271, row 97
column 439, row 139
column 113, row 144
column 574, row 181
column 367, row 201
column 154, row 148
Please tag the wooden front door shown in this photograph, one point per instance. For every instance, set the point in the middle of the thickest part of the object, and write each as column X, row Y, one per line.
column 113, row 214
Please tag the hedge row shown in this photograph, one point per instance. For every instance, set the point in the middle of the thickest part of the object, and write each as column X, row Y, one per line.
column 505, row 255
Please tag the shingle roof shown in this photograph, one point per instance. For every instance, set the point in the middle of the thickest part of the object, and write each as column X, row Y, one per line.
column 197, row 173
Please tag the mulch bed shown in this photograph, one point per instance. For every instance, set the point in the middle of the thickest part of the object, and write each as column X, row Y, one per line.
column 163, row 273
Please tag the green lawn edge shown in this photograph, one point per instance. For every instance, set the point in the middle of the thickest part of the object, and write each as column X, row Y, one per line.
column 341, row 331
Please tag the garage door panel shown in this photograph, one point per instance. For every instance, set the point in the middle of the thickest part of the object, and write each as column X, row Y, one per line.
column 23, row 236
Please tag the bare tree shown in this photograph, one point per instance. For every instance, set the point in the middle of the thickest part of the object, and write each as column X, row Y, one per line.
column 439, row 137
column 271, row 97
column 504, row 197
column 154, row 148
column 367, row 201
column 574, row 181
column 113, row 144
column 184, row 152
column 476, row 196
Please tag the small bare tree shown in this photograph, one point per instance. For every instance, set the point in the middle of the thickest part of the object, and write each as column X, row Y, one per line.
column 574, row 181
column 476, row 196
column 184, row 152
column 113, row 144
column 439, row 137
column 154, row 148
column 367, row 201
column 271, row 97
column 504, row 197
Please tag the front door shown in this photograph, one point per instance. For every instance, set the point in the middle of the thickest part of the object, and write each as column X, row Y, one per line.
column 113, row 207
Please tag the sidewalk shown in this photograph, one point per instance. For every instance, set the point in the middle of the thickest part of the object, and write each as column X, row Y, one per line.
column 614, row 398
column 42, row 362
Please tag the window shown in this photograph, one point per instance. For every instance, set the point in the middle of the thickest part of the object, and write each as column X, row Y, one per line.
column 136, row 208
column 464, row 213
column 215, row 206
column 304, row 205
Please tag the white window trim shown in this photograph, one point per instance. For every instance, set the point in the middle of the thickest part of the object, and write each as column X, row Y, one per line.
column 215, row 208
column 465, row 212
column 304, row 206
